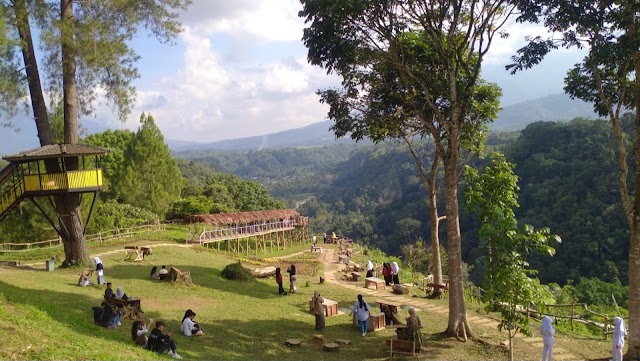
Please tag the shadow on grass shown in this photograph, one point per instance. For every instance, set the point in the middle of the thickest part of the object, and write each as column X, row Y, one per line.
column 202, row 277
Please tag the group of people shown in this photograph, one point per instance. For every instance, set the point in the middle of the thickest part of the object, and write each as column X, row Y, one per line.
column 390, row 273
column 159, row 274
column 85, row 279
column 120, row 295
column 293, row 287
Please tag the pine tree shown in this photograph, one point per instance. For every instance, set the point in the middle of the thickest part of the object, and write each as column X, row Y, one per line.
column 152, row 179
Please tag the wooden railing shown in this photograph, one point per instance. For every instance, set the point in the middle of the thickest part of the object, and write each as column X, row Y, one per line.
column 98, row 238
column 244, row 231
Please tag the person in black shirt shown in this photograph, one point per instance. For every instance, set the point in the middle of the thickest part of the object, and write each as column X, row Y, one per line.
column 160, row 342
column 108, row 293
column 105, row 316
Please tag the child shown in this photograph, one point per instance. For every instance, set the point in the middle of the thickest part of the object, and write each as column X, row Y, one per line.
column 547, row 332
column 99, row 270
column 279, row 281
column 619, row 332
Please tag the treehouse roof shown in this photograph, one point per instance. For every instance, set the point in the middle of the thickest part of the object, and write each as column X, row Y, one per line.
column 56, row 151
column 242, row 217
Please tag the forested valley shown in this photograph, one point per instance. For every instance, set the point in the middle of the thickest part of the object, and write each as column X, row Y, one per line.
column 373, row 193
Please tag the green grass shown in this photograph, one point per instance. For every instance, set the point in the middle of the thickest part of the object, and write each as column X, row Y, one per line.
column 45, row 316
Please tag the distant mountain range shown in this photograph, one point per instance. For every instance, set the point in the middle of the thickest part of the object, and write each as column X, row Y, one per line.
column 512, row 117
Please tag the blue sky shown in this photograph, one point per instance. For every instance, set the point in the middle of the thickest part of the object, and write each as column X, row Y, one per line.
column 239, row 69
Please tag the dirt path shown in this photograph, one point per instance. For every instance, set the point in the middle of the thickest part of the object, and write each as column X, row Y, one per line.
column 477, row 321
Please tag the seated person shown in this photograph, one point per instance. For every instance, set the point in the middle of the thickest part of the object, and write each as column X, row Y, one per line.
column 189, row 327
column 105, row 316
column 163, row 274
column 129, row 300
column 390, row 315
column 154, row 273
column 108, row 293
column 84, row 279
column 161, row 343
column 138, row 333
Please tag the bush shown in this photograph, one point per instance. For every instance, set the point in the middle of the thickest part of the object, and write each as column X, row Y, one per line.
column 235, row 271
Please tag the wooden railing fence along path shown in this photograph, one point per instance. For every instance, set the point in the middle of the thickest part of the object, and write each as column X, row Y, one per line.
column 233, row 232
column 98, row 238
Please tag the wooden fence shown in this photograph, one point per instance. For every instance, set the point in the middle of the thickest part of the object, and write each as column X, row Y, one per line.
column 98, row 238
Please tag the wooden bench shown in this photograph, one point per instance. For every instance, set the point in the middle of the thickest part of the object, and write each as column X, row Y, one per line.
column 355, row 276
column 330, row 307
column 316, row 249
column 135, row 253
column 393, row 305
column 402, row 347
column 438, row 287
column 126, row 311
column 375, row 322
column 373, row 280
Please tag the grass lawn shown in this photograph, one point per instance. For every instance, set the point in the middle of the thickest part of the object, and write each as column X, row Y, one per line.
column 46, row 316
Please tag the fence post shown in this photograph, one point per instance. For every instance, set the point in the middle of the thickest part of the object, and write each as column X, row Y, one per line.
column 606, row 326
column 572, row 315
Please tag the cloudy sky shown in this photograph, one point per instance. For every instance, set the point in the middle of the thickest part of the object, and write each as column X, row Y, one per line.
column 239, row 69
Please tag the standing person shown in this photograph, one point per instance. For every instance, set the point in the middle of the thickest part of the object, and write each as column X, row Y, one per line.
column 413, row 327
column 279, row 281
column 547, row 332
column 361, row 309
column 160, row 342
column 395, row 270
column 386, row 273
column 138, row 333
column 369, row 269
column 318, row 310
column 314, row 241
column 292, row 278
column 324, row 237
column 163, row 273
column 619, row 332
column 99, row 269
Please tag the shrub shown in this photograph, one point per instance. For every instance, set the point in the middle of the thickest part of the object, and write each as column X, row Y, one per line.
column 235, row 271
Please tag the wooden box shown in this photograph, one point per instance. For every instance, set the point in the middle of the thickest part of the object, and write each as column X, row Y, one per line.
column 330, row 307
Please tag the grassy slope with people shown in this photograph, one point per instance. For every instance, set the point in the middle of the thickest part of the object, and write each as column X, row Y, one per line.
column 44, row 315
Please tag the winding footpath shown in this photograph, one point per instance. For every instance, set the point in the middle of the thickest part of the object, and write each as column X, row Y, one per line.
column 478, row 321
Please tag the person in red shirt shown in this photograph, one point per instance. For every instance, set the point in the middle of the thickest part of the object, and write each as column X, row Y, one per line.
column 386, row 273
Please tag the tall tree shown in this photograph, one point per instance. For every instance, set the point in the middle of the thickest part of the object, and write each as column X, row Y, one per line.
column 151, row 179
column 415, row 63
column 609, row 76
column 85, row 48
column 507, row 282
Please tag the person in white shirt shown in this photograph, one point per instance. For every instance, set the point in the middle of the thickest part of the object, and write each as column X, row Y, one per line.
column 163, row 274
column 189, row 327
column 361, row 309
column 547, row 332
column 369, row 269
column 619, row 331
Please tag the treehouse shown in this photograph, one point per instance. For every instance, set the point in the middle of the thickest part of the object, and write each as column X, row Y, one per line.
column 49, row 171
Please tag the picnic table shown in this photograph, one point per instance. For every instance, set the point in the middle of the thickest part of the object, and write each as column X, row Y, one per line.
column 135, row 253
column 393, row 305
column 375, row 281
column 330, row 307
column 316, row 249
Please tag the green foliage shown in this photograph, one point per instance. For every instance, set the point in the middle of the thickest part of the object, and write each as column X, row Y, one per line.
column 112, row 164
column 152, row 179
column 594, row 291
column 189, row 206
column 111, row 215
column 235, row 272
column 507, row 282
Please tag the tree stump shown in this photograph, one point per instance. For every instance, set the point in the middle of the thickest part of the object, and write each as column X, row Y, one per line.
column 292, row 342
column 263, row 272
column 177, row 276
column 331, row 347
column 343, row 342
column 400, row 289
column 318, row 337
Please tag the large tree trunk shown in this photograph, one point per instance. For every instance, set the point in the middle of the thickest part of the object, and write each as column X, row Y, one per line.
column 633, row 350
column 458, row 324
column 68, row 205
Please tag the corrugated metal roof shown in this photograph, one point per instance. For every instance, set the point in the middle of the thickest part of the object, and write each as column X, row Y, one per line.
column 242, row 217
column 56, row 151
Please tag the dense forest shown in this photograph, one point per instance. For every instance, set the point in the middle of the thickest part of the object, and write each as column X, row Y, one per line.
column 567, row 179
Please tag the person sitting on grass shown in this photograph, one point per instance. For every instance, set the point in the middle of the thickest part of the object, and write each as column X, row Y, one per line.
column 155, row 275
column 105, row 316
column 84, row 279
column 138, row 333
column 160, row 342
column 108, row 293
column 190, row 327
column 163, row 273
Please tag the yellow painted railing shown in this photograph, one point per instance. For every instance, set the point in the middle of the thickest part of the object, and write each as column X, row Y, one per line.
column 59, row 181
column 50, row 182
